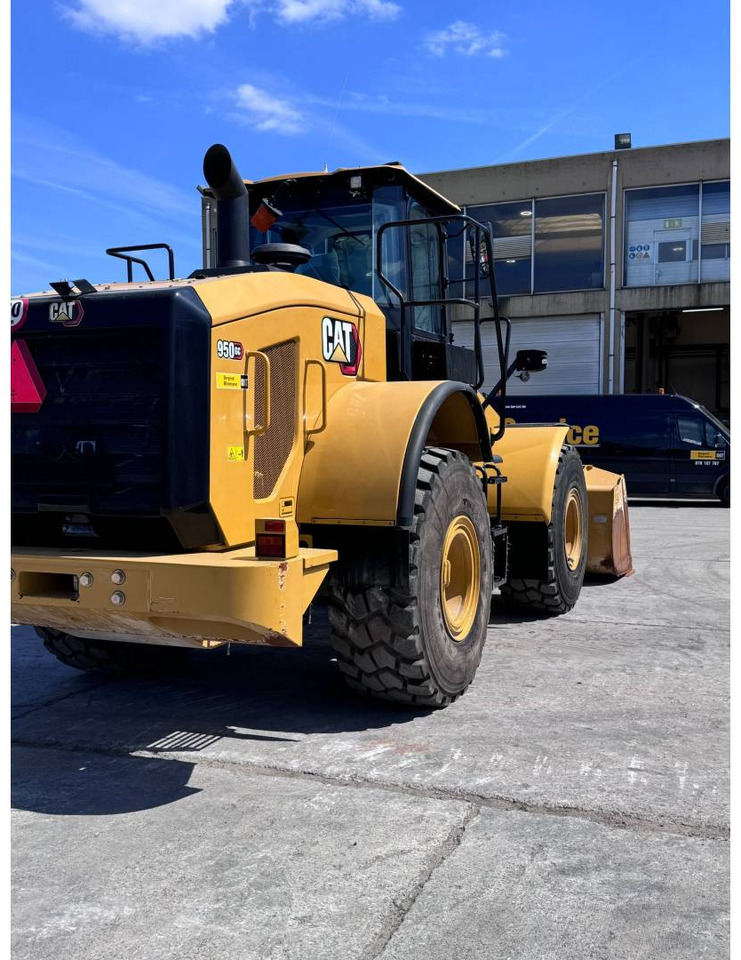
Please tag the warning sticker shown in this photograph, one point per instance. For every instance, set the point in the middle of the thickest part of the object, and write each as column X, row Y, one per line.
column 232, row 381
column 286, row 507
column 702, row 454
column 235, row 453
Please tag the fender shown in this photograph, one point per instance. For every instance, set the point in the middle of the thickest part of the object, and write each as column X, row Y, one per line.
column 362, row 468
column 530, row 459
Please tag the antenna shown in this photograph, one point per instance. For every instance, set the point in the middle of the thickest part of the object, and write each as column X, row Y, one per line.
column 334, row 121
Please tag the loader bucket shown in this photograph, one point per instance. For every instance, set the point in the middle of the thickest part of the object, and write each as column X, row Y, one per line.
column 609, row 526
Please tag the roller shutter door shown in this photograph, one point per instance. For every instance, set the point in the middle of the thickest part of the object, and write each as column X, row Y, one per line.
column 574, row 353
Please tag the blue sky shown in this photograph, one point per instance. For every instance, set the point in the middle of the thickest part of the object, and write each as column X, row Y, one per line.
column 115, row 101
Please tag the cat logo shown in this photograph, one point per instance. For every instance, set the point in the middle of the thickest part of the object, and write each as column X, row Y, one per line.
column 68, row 313
column 341, row 344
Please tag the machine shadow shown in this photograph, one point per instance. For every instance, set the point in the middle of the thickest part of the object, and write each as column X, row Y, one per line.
column 245, row 693
column 67, row 783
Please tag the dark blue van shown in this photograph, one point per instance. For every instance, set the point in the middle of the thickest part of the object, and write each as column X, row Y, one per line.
column 667, row 446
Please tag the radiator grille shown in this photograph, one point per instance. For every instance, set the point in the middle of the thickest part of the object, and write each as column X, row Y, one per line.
column 273, row 448
column 98, row 437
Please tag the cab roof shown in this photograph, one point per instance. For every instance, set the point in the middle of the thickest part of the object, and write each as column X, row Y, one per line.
column 388, row 173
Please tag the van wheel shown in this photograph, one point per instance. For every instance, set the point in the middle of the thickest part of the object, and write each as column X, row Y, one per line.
column 567, row 544
column 419, row 640
column 115, row 658
column 725, row 492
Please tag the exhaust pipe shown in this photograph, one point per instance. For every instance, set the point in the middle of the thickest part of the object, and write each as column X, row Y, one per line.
column 232, row 207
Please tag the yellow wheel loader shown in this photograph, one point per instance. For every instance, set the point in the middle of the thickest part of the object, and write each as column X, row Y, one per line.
column 195, row 460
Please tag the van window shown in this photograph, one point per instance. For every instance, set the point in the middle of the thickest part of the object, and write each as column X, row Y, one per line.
column 691, row 430
column 699, row 432
column 714, row 436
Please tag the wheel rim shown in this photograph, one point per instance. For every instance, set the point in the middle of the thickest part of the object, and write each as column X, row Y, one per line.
column 573, row 530
column 460, row 577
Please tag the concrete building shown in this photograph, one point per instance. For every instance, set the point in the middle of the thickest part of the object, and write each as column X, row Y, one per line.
column 617, row 263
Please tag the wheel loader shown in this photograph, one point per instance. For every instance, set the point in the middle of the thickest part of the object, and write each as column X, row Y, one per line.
column 196, row 460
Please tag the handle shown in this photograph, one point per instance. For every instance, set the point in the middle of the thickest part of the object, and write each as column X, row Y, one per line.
column 253, row 430
column 316, row 363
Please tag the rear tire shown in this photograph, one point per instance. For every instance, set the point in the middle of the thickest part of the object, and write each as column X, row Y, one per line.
column 419, row 640
column 115, row 658
column 566, row 561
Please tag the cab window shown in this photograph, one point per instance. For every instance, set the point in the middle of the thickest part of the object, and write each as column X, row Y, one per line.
column 389, row 203
column 424, row 242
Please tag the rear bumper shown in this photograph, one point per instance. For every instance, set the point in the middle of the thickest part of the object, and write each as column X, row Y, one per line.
column 197, row 599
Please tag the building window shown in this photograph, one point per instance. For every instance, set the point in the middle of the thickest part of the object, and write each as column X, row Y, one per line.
column 512, row 242
column 715, row 252
column 569, row 243
column 545, row 245
column 661, row 235
column 673, row 252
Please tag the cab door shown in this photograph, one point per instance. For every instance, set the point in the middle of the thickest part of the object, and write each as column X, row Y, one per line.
column 699, row 455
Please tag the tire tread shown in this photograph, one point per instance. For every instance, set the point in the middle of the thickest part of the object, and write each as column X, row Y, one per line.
column 542, row 595
column 375, row 631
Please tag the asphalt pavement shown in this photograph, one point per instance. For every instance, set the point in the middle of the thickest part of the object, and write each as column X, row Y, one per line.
column 572, row 805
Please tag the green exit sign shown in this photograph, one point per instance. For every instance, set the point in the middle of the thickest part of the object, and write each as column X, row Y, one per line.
column 673, row 224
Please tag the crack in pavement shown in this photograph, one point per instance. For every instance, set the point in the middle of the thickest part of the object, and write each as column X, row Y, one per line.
column 615, row 819
column 400, row 906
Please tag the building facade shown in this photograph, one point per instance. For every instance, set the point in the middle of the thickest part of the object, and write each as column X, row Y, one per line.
column 617, row 263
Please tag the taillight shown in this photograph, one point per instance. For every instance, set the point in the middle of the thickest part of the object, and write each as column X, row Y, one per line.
column 270, row 539
column 27, row 390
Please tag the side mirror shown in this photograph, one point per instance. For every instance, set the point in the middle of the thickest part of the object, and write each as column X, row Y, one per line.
column 531, row 361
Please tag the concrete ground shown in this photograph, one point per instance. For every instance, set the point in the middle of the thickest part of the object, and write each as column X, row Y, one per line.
column 573, row 804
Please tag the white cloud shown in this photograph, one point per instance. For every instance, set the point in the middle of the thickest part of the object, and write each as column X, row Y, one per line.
column 467, row 39
column 146, row 21
column 303, row 11
column 269, row 113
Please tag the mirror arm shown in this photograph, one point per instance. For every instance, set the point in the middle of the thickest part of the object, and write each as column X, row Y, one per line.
column 491, row 395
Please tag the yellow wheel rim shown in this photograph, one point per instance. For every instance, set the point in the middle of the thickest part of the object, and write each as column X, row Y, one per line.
column 573, row 530
column 460, row 577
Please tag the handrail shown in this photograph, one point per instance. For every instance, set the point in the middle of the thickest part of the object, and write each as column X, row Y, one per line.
column 482, row 234
column 122, row 253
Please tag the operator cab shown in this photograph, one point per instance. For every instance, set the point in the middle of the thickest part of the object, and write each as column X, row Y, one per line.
column 338, row 217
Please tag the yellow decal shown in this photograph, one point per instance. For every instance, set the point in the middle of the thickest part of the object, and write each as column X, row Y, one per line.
column 581, row 436
column 702, row 454
column 577, row 436
column 286, row 507
column 231, row 381
column 235, row 453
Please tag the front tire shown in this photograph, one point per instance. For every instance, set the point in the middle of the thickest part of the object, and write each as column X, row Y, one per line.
column 418, row 639
column 567, row 545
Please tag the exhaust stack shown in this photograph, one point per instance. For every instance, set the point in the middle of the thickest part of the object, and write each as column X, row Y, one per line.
column 232, row 207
